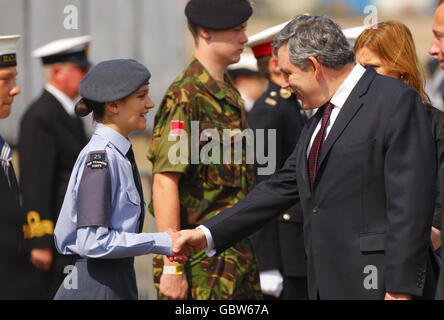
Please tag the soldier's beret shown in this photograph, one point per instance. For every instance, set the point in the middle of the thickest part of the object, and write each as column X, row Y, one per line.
column 113, row 80
column 218, row 14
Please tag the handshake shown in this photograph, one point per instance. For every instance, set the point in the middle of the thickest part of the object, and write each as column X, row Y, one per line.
column 185, row 243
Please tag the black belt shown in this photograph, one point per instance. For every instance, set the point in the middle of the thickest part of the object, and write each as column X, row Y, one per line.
column 118, row 261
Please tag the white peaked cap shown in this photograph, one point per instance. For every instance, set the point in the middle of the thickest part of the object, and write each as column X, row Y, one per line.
column 265, row 35
column 8, row 49
column 62, row 46
column 247, row 61
column 353, row 33
column 8, row 44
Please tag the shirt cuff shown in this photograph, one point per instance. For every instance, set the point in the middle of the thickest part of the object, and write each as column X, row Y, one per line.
column 210, row 250
column 272, row 282
column 163, row 243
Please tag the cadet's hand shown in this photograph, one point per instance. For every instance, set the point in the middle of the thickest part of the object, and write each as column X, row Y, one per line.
column 190, row 241
column 397, row 296
column 174, row 236
column 41, row 258
column 173, row 286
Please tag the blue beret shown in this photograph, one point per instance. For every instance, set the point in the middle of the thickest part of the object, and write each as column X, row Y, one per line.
column 218, row 14
column 113, row 80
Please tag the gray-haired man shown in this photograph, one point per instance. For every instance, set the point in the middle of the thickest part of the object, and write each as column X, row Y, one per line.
column 364, row 170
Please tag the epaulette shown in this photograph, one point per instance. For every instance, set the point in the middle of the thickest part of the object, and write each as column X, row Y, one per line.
column 269, row 100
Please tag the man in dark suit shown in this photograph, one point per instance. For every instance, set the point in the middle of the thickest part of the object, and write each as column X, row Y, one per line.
column 363, row 169
column 437, row 49
column 51, row 137
column 18, row 278
column 279, row 245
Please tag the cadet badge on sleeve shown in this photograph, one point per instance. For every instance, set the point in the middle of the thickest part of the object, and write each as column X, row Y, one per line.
column 177, row 128
column 97, row 160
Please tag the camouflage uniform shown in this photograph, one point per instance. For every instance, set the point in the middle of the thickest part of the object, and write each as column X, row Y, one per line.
column 206, row 189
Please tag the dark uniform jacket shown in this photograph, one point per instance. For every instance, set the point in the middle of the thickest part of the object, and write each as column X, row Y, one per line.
column 437, row 119
column 280, row 244
column 50, row 141
column 366, row 227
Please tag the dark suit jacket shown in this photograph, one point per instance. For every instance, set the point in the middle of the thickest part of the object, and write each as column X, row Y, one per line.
column 280, row 243
column 368, row 218
column 49, row 143
column 18, row 278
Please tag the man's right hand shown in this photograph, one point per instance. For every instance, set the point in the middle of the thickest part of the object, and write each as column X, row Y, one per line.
column 190, row 241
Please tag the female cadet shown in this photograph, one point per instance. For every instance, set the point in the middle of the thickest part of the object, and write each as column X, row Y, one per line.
column 103, row 211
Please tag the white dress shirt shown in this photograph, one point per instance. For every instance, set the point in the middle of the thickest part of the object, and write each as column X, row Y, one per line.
column 67, row 103
column 338, row 100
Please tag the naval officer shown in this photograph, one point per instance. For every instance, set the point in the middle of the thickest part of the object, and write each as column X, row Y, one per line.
column 51, row 137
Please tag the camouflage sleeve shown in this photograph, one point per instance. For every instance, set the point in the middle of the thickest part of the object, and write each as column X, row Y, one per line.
column 170, row 149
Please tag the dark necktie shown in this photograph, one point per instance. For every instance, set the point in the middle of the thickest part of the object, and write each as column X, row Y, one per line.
column 8, row 170
column 138, row 182
column 316, row 147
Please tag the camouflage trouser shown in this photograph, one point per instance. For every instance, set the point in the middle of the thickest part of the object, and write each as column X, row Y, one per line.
column 232, row 275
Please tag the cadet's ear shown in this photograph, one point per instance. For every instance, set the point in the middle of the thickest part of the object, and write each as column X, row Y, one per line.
column 112, row 107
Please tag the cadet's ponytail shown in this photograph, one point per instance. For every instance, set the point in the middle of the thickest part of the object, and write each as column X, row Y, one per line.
column 85, row 106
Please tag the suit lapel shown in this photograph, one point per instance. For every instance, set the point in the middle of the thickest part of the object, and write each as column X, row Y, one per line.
column 348, row 111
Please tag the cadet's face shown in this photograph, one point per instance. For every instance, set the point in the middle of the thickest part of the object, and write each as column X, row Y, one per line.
column 8, row 89
column 367, row 57
column 303, row 83
column 133, row 110
column 229, row 44
column 437, row 46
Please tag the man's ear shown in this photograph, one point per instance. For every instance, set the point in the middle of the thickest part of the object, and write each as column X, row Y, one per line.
column 55, row 70
column 316, row 66
column 204, row 33
column 273, row 65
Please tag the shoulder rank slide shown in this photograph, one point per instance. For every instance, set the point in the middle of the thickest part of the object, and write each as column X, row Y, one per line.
column 270, row 101
column 97, row 160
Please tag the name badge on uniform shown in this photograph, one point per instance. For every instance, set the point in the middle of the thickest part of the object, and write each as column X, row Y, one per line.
column 97, row 161
column 177, row 127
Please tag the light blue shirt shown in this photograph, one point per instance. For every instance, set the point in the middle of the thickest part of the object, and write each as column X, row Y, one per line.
column 120, row 239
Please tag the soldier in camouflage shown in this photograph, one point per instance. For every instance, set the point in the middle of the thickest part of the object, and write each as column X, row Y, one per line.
column 187, row 191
